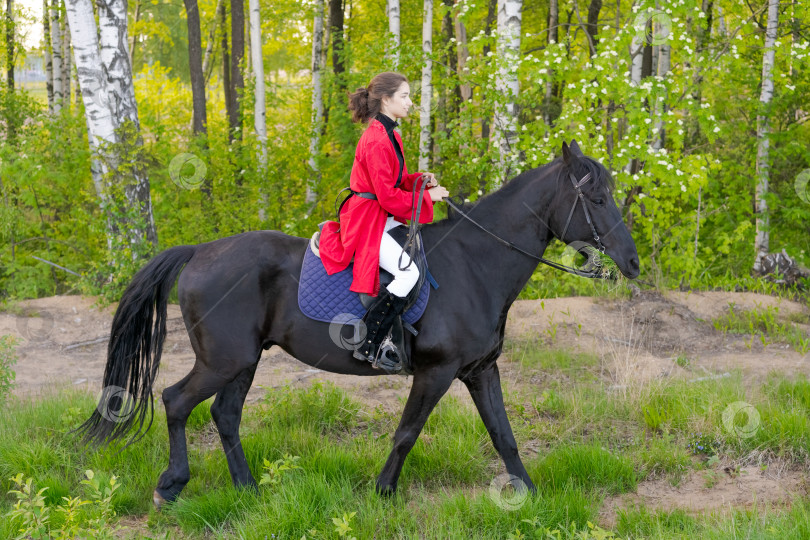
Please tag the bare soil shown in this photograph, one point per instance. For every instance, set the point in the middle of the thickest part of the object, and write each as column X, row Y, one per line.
column 652, row 336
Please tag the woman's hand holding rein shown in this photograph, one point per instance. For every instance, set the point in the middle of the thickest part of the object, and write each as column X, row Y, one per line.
column 437, row 192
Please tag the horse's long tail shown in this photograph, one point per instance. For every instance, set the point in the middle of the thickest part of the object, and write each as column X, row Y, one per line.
column 133, row 354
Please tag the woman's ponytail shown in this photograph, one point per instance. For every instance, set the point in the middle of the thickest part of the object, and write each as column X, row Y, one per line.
column 358, row 104
column 366, row 103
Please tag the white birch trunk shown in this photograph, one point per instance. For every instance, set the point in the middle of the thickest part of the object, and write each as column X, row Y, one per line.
column 393, row 28
column 636, row 56
column 66, row 64
column 427, row 87
column 259, row 109
column 762, row 240
column 56, row 58
column 554, row 13
column 462, row 52
column 112, row 22
column 660, row 106
column 505, row 121
column 109, row 97
column 100, row 121
column 46, row 24
column 721, row 21
column 636, row 60
column 317, row 102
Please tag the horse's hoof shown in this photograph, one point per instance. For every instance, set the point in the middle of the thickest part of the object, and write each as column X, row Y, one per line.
column 386, row 491
column 158, row 500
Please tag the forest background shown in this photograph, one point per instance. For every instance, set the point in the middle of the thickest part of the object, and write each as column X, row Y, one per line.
column 698, row 108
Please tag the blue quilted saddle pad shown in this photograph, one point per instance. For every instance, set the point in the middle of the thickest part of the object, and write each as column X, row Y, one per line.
column 323, row 297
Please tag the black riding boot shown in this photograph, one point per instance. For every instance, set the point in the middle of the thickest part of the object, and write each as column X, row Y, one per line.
column 379, row 320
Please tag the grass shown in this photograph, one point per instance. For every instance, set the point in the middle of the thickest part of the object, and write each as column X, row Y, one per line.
column 592, row 443
column 767, row 325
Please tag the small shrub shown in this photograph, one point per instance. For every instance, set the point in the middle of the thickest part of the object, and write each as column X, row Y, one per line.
column 73, row 518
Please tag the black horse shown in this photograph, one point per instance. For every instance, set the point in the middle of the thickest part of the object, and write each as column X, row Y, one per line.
column 238, row 295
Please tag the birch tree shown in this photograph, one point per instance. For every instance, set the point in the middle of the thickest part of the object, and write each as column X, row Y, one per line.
column 427, row 86
column 663, row 66
column 461, row 49
column 761, row 242
column 66, row 63
column 56, row 56
column 393, row 28
column 237, row 54
column 492, row 9
column 317, row 102
column 199, row 115
column 553, row 24
column 108, row 94
column 10, row 44
column 46, row 47
column 506, row 84
column 259, row 109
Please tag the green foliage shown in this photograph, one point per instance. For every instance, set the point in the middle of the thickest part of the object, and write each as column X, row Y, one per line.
column 273, row 471
column 8, row 357
column 73, row 518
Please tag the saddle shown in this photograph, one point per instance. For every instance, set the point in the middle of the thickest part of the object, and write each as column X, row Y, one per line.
column 396, row 339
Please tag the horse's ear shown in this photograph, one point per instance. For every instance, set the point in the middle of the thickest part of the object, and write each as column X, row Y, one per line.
column 575, row 148
column 569, row 153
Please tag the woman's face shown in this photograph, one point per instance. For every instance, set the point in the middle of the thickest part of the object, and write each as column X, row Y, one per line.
column 398, row 105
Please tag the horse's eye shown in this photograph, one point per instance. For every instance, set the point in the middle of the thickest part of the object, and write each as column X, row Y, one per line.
column 598, row 202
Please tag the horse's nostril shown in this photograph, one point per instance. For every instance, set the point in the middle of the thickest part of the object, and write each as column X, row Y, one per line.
column 634, row 263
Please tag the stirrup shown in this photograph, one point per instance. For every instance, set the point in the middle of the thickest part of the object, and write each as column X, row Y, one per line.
column 383, row 359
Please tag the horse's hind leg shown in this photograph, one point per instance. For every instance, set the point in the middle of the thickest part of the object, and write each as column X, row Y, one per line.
column 179, row 400
column 227, row 413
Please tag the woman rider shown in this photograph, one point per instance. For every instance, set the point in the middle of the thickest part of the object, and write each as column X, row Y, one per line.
column 382, row 199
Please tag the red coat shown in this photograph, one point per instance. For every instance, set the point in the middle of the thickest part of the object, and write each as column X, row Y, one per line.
column 362, row 221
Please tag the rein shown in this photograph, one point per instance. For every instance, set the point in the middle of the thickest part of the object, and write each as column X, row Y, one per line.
column 575, row 271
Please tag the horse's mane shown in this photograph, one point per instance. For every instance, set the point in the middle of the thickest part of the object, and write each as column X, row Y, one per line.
column 599, row 174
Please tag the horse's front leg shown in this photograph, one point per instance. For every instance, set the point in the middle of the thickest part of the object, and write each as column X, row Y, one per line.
column 485, row 388
column 428, row 388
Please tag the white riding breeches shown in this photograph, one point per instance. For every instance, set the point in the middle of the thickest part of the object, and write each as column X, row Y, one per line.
column 390, row 251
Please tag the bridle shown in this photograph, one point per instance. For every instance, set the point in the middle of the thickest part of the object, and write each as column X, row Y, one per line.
column 580, row 196
column 578, row 187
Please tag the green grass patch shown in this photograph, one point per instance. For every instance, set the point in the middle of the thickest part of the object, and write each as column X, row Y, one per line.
column 767, row 325
column 593, row 443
